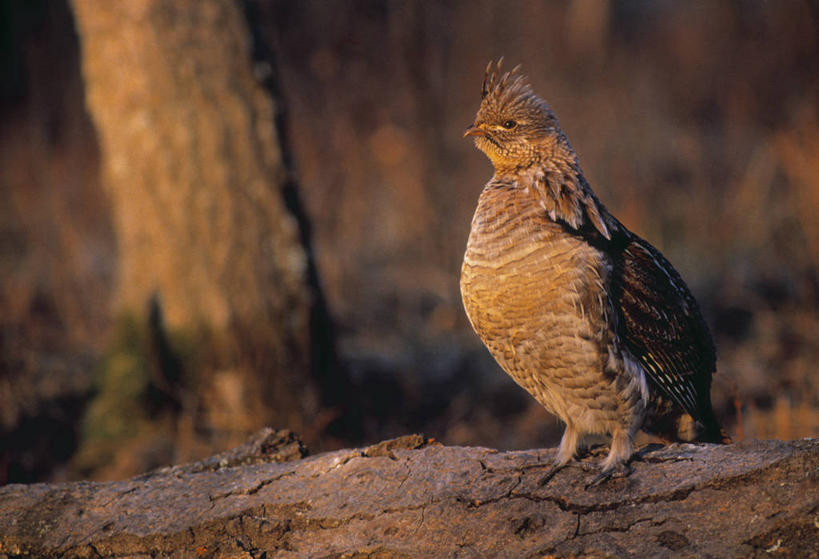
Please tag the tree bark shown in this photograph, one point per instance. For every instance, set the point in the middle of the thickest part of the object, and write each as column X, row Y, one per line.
column 212, row 291
column 412, row 498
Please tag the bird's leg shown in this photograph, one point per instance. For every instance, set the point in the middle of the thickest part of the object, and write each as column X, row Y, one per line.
column 622, row 447
column 565, row 453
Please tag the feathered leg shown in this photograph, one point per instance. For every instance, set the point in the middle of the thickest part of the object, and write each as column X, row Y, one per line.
column 565, row 453
column 622, row 447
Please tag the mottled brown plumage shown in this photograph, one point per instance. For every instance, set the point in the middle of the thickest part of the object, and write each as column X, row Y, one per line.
column 589, row 318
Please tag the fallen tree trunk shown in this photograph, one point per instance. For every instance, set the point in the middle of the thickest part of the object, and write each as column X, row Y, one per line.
column 410, row 498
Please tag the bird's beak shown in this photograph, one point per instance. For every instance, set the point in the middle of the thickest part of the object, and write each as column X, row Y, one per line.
column 473, row 130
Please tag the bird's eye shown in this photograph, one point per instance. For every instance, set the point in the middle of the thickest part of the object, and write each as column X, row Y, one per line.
column 509, row 124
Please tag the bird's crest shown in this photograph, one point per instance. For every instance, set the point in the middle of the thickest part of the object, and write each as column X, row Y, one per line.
column 504, row 86
column 556, row 177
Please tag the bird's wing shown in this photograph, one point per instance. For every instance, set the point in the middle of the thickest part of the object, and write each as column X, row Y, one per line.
column 568, row 199
column 662, row 327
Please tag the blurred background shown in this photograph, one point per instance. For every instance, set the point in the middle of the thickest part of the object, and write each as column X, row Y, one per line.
column 220, row 215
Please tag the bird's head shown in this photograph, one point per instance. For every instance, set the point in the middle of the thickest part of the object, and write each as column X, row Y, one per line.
column 514, row 127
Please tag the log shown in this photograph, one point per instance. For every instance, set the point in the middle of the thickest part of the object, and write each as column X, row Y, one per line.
column 412, row 497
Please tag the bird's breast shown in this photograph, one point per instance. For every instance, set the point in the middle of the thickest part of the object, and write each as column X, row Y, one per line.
column 536, row 296
column 520, row 265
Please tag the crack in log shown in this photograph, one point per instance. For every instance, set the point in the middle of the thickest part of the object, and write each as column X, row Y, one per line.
column 339, row 463
column 566, row 506
column 421, row 522
column 127, row 492
column 677, row 495
column 406, row 476
column 250, row 490
column 611, row 528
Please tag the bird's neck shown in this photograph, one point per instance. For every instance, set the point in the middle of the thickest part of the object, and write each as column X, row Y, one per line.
column 557, row 183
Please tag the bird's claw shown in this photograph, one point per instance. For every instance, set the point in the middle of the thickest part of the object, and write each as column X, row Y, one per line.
column 622, row 471
column 645, row 453
column 551, row 473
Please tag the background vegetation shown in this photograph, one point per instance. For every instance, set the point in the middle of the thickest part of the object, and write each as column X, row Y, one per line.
column 697, row 123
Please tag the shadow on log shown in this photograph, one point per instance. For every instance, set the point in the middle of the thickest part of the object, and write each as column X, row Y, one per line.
column 411, row 497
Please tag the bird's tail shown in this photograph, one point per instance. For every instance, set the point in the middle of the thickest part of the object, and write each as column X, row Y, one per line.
column 670, row 423
column 714, row 434
column 706, row 429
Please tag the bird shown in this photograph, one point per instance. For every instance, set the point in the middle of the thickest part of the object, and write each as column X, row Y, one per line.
column 589, row 318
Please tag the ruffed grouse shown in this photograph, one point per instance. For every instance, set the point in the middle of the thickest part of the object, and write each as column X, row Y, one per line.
column 585, row 315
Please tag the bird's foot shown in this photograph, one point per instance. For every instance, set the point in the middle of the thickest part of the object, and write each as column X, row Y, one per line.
column 621, row 471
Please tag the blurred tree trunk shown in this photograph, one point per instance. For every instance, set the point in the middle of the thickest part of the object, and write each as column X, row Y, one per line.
column 212, row 293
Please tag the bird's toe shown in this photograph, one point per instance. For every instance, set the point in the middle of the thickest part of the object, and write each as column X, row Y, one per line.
column 551, row 472
column 620, row 471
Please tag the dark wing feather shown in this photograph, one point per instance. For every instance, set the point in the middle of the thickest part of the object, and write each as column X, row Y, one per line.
column 662, row 327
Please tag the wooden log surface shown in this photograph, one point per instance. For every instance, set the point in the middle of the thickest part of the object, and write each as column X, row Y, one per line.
column 410, row 497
